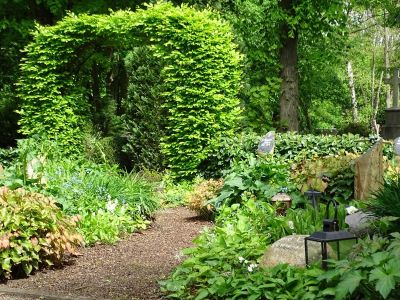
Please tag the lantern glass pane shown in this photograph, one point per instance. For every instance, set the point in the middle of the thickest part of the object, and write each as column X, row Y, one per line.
column 344, row 249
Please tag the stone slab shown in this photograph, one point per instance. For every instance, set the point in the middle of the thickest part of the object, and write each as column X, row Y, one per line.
column 369, row 171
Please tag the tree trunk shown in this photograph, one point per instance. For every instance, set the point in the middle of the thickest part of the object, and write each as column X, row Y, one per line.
column 289, row 98
column 41, row 13
column 352, row 92
column 375, row 103
column 386, row 62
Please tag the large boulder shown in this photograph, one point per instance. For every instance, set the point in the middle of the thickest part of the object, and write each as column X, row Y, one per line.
column 291, row 250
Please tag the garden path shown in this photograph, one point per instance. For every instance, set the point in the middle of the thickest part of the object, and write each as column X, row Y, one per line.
column 128, row 270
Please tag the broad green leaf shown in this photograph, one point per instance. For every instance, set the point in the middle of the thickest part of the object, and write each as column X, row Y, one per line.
column 348, row 284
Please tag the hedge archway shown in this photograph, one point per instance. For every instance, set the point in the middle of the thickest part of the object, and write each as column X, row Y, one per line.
column 201, row 77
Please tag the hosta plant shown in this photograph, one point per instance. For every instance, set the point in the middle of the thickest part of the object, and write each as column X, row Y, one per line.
column 33, row 232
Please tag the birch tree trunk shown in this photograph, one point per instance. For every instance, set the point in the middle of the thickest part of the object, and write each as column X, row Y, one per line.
column 375, row 103
column 352, row 92
column 386, row 62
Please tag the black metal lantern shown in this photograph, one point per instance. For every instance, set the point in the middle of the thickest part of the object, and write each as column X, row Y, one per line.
column 313, row 197
column 330, row 235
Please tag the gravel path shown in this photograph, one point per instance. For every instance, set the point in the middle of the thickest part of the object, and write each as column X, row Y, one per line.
column 128, row 270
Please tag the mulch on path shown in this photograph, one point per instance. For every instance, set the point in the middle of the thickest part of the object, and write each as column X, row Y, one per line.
column 128, row 270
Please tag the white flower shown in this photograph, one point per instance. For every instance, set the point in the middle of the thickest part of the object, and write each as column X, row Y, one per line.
column 246, row 261
column 241, row 259
column 111, row 205
column 291, row 225
column 251, row 267
column 351, row 210
column 178, row 256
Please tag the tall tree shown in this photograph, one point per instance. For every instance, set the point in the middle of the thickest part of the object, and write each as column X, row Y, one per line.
column 289, row 98
column 284, row 27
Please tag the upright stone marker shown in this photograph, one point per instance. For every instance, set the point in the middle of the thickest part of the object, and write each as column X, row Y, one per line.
column 369, row 172
column 267, row 143
column 394, row 83
column 396, row 146
column 391, row 129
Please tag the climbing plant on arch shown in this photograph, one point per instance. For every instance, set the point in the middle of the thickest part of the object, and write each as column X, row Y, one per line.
column 201, row 76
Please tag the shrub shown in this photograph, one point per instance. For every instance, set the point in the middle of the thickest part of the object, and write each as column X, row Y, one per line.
column 202, row 193
column 289, row 146
column 34, row 232
column 175, row 193
column 331, row 174
column 7, row 155
column 230, row 149
column 144, row 117
column 296, row 147
column 8, row 117
column 261, row 177
column 101, row 150
column 201, row 77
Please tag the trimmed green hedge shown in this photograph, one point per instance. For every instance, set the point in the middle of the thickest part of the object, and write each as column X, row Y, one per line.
column 201, row 76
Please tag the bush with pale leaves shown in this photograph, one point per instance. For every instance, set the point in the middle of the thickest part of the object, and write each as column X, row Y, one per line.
column 33, row 232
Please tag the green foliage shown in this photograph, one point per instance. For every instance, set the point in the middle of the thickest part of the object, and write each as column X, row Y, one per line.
column 110, row 203
column 331, row 174
column 297, row 147
column 33, row 232
column 224, row 263
column 260, row 177
column 144, row 118
column 200, row 77
column 386, row 201
column 6, row 156
column 174, row 193
column 8, row 117
column 372, row 273
column 98, row 149
column 232, row 148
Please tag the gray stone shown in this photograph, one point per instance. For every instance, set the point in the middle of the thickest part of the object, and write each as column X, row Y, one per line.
column 396, row 146
column 359, row 223
column 394, row 83
column 290, row 250
column 267, row 143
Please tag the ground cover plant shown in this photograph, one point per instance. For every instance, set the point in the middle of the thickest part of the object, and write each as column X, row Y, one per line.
column 108, row 201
